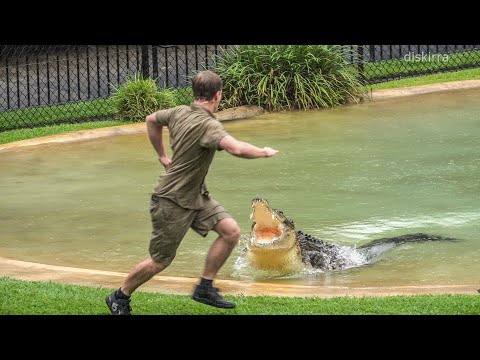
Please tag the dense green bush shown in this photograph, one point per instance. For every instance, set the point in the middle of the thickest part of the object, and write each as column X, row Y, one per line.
column 284, row 77
column 139, row 97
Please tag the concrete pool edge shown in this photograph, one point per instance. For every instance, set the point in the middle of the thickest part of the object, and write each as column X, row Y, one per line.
column 243, row 112
column 386, row 94
column 30, row 271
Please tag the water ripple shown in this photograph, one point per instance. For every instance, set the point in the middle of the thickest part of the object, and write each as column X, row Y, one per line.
column 364, row 230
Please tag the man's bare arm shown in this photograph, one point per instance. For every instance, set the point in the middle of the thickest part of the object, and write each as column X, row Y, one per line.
column 243, row 149
column 155, row 134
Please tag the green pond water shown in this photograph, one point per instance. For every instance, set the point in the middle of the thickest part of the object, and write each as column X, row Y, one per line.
column 346, row 175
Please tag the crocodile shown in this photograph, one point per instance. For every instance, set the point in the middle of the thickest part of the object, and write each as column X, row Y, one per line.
column 274, row 244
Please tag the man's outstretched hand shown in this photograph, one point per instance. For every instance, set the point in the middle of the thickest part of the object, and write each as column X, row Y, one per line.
column 269, row 151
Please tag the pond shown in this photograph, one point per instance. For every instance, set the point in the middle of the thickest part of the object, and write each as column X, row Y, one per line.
column 346, row 175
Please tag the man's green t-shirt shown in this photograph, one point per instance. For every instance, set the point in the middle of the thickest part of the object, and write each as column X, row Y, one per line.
column 194, row 137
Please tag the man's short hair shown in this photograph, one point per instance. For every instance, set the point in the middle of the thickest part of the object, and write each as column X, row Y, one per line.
column 205, row 85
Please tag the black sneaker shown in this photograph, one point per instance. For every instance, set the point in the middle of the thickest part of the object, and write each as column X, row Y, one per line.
column 118, row 306
column 210, row 296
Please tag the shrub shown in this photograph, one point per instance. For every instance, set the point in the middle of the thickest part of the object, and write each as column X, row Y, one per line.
column 139, row 97
column 183, row 96
column 285, row 77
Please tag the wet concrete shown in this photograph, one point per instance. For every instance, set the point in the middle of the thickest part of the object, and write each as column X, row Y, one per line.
column 24, row 270
column 386, row 94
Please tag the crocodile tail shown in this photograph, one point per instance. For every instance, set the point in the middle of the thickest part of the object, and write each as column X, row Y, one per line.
column 397, row 240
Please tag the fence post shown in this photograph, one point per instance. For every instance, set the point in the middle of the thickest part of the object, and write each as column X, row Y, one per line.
column 145, row 62
column 372, row 53
column 155, row 62
column 360, row 59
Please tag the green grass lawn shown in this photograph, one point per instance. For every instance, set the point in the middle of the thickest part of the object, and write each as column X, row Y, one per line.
column 55, row 114
column 34, row 298
column 79, row 112
column 470, row 74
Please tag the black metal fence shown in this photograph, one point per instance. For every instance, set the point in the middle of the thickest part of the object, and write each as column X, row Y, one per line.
column 36, row 79
column 379, row 63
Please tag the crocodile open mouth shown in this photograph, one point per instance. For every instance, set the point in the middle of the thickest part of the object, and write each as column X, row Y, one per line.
column 270, row 228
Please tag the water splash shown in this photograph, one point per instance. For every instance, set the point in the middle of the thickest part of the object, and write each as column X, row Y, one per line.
column 353, row 257
column 242, row 269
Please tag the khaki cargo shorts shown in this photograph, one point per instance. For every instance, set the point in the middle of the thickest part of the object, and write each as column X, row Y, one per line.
column 171, row 222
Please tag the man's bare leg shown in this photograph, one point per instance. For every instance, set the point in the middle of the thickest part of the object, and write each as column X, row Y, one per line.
column 119, row 301
column 141, row 273
column 229, row 233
